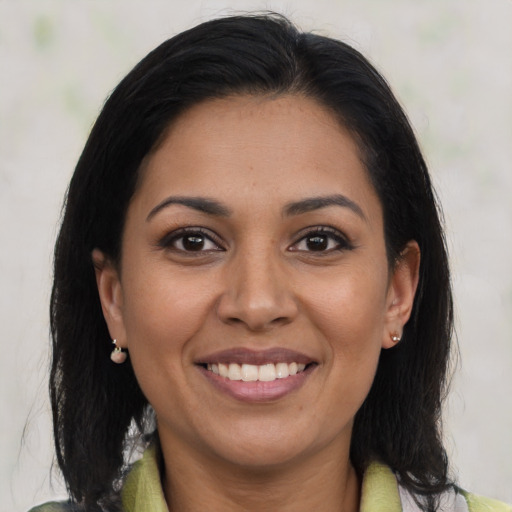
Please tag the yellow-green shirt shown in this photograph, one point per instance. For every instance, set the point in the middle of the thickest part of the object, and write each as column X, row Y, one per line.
column 142, row 491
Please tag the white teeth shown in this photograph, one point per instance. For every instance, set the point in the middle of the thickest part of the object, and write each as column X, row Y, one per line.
column 235, row 372
column 251, row 372
column 223, row 370
column 267, row 372
column 282, row 370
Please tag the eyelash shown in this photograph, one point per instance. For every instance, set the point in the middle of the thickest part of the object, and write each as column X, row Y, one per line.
column 170, row 240
column 341, row 241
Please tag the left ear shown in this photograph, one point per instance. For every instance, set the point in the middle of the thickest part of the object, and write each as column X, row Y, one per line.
column 401, row 292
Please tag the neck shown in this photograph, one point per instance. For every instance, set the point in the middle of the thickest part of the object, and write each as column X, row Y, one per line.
column 320, row 482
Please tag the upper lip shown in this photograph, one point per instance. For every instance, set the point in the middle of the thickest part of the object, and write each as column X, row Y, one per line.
column 255, row 357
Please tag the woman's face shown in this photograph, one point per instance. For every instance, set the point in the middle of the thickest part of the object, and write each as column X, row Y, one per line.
column 255, row 294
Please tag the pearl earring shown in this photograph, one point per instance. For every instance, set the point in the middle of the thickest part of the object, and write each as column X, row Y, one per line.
column 117, row 355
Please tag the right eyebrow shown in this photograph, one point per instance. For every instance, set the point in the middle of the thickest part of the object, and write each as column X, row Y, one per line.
column 202, row 204
column 315, row 203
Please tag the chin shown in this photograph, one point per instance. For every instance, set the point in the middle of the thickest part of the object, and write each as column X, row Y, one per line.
column 273, row 446
column 262, row 457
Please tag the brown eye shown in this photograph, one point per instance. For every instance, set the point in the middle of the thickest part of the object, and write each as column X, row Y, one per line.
column 193, row 242
column 190, row 240
column 322, row 240
column 317, row 242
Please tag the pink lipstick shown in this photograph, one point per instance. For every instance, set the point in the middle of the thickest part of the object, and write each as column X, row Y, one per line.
column 256, row 376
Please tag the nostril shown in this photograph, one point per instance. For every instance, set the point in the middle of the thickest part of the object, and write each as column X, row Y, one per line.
column 281, row 320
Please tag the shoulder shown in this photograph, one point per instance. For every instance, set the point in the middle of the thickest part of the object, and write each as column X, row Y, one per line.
column 382, row 491
column 54, row 506
column 480, row 504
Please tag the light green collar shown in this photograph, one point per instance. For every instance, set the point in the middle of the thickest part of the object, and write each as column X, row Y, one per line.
column 142, row 491
column 379, row 492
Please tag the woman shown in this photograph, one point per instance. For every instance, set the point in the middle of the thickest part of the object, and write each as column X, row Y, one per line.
column 253, row 225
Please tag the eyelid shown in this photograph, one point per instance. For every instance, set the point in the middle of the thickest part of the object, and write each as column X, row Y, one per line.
column 342, row 239
column 167, row 240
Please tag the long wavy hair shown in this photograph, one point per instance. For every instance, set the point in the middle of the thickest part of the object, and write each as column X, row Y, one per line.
column 96, row 404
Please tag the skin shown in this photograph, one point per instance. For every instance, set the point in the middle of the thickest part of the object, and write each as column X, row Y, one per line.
column 258, row 282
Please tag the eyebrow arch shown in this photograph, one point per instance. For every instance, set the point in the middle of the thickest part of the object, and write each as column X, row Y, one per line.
column 315, row 203
column 202, row 204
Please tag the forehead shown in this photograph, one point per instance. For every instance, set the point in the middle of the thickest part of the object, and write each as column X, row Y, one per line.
column 259, row 121
column 257, row 149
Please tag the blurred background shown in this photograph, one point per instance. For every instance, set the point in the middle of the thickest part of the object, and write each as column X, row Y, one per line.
column 450, row 64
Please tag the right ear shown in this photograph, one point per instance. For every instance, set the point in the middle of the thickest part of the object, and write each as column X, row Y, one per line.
column 111, row 296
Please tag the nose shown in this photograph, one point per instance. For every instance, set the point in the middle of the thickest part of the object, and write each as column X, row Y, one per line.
column 258, row 293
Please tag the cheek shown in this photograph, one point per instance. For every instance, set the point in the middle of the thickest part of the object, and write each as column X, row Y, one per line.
column 162, row 312
column 350, row 307
column 161, row 316
column 169, row 305
column 349, row 313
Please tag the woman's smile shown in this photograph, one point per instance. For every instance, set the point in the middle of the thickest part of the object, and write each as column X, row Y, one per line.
column 254, row 296
column 257, row 376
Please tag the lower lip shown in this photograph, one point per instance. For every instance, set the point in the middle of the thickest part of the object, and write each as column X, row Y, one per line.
column 258, row 391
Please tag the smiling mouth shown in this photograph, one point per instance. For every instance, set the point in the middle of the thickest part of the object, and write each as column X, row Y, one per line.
column 256, row 373
column 257, row 376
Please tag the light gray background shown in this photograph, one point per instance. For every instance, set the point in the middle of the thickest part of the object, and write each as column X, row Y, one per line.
column 450, row 63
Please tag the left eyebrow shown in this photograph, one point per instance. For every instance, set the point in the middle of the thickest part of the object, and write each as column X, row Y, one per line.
column 201, row 204
column 315, row 203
